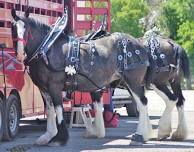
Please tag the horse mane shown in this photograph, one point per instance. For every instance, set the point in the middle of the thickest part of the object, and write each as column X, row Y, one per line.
column 36, row 24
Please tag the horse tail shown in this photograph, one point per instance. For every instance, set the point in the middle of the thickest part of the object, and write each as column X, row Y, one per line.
column 185, row 64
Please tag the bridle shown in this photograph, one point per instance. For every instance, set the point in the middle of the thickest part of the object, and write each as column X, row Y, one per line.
column 23, row 40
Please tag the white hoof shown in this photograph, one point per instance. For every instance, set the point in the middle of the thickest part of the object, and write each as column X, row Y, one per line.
column 179, row 135
column 90, row 134
column 44, row 139
column 164, row 133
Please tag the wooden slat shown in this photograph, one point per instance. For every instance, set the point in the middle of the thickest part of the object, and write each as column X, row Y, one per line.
column 100, row 11
column 43, row 4
column 82, row 10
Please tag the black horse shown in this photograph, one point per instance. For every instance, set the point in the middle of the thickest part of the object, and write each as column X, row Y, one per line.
column 101, row 62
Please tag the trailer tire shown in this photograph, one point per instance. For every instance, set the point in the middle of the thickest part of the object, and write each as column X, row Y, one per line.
column 2, row 121
column 132, row 109
column 12, row 117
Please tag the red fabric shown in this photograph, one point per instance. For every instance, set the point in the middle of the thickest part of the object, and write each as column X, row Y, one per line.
column 85, row 97
column 82, row 98
column 111, row 120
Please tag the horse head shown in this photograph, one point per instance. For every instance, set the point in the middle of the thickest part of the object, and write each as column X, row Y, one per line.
column 20, row 34
column 27, row 34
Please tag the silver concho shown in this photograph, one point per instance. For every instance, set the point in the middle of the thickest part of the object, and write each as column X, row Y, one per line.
column 155, row 57
column 129, row 54
column 137, row 52
column 162, row 56
column 91, row 63
column 120, row 57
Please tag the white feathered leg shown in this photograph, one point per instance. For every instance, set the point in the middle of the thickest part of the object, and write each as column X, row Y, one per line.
column 98, row 121
column 181, row 132
column 144, row 128
column 97, row 129
column 165, row 128
column 51, row 130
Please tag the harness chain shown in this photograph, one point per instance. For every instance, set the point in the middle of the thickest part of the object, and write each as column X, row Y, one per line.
column 126, row 58
column 153, row 45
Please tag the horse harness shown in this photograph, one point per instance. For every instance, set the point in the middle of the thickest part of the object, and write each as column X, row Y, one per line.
column 157, row 57
column 129, row 59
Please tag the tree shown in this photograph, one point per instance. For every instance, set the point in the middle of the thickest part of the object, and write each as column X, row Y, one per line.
column 175, row 13
column 125, row 16
column 178, row 20
column 186, row 39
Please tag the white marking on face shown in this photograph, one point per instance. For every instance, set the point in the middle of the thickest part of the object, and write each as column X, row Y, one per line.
column 20, row 25
column 59, row 112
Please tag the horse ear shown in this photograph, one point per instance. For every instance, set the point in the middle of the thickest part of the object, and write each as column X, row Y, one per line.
column 27, row 12
column 14, row 15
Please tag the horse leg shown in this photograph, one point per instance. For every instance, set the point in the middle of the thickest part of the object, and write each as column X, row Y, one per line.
column 62, row 135
column 170, row 101
column 97, row 129
column 144, row 128
column 181, row 132
column 98, row 121
column 51, row 130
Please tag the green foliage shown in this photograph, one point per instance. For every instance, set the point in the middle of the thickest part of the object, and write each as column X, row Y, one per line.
column 178, row 20
column 125, row 15
column 186, row 39
column 175, row 13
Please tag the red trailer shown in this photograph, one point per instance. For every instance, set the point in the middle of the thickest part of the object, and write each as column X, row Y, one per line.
column 18, row 96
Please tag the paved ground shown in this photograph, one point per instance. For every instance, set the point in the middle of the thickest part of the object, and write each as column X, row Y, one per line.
column 117, row 140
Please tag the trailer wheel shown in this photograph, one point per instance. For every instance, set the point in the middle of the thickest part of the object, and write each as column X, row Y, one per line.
column 12, row 117
column 1, row 119
column 132, row 109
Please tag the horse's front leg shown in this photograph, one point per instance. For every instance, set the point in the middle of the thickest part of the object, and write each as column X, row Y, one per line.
column 144, row 128
column 62, row 135
column 51, row 130
column 170, row 99
column 96, row 129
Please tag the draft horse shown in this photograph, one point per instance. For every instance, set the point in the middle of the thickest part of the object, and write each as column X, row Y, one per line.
column 101, row 62
column 168, row 62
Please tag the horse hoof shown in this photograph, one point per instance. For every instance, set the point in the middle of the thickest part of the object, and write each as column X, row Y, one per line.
column 41, row 141
column 90, row 134
column 56, row 144
column 135, row 143
column 163, row 137
column 137, row 140
column 177, row 136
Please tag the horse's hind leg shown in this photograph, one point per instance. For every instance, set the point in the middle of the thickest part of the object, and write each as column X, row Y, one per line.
column 181, row 132
column 51, row 130
column 144, row 128
column 165, row 121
